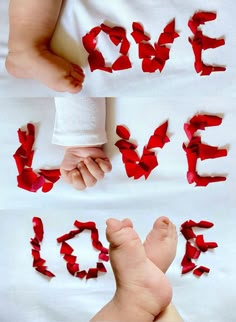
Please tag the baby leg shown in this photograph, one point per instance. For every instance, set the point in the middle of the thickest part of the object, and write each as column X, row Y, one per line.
column 32, row 23
column 142, row 291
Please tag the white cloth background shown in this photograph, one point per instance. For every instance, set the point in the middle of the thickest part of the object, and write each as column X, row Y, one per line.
column 178, row 77
column 26, row 296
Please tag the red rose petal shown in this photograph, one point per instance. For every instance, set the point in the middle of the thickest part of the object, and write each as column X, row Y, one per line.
column 204, row 181
column 129, row 156
column 204, row 224
column 97, row 61
column 89, row 42
column 47, row 186
column 92, row 273
column 38, row 183
column 38, row 228
column 72, row 268
column 43, row 270
column 35, row 253
column 68, row 236
column 201, row 243
column 122, row 144
column 138, row 33
column 35, row 244
column 159, row 139
column 211, row 245
column 130, row 169
column 81, row 274
column 187, row 265
column 151, row 65
column 122, row 132
column 122, row 63
column 200, row 270
column 66, row 249
column 70, row 259
column 103, row 257
column 86, row 225
column 146, row 50
column 101, row 267
column 38, row 262
column 191, row 251
column 187, row 233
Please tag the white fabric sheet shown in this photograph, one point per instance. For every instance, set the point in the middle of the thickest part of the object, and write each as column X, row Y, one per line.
column 178, row 77
column 26, row 296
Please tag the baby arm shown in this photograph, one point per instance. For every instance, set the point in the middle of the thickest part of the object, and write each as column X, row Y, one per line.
column 80, row 127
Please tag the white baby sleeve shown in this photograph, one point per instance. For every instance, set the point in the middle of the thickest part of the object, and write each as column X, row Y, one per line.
column 80, row 121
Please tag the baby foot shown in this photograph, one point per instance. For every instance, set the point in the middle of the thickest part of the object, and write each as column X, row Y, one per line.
column 50, row 69
column 160, row 244
column 140, row 283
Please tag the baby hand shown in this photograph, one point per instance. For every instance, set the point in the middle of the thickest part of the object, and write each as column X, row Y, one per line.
column 84, row 166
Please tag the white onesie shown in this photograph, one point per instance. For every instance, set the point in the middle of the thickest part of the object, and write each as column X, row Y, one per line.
column 80, row 121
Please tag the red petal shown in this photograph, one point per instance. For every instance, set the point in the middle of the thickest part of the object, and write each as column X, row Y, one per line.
column 191, row 251
column 35, row 244
column 211, row 245
column 150, row 65
column 204, row 181
column 204, row 224
column 38, row 183
column 68, row 236
column 38, row 262
column 81, row 274
column 35, row 253
column 70, row 259
column 122, row 63
column 72, row 268
column 138, row 33
column 97, row 61
column 187, row 233
column 122, row 132
column 187, row 265
column 201, row 243
column 200, row 270
column 52, row 175
column 47, row 186
column 86, row 225
column 89, row 42
column 92, row 273
column 66, row 249
column 38, row 228
column 103, row 257
column 210, row 152
column 146, row 50
column 129, row 156
column 122, row 144
column 43, row 270
column 130, row 168
column 101, row 267
column 125, row 45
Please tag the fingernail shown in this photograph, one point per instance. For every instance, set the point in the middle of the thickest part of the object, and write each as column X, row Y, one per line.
column 78, row 68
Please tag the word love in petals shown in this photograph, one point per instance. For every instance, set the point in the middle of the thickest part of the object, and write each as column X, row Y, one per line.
column 137, row 167
column 153, row 56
